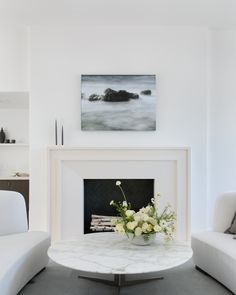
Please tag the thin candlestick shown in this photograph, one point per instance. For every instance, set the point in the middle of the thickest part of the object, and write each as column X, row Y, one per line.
column 62, row 135
column 56, row 132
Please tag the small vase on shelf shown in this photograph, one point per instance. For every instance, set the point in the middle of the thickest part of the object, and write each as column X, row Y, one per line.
column 2, row 136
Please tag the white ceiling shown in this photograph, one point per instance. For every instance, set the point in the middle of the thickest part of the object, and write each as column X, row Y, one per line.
column 210, row 13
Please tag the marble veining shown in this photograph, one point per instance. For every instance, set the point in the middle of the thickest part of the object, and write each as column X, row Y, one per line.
column 110, row 253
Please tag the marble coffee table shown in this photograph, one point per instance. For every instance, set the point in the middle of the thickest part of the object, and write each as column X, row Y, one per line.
column 110, row 253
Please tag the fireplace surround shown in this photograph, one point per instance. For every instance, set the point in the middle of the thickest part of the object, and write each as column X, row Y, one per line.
column 70, row 166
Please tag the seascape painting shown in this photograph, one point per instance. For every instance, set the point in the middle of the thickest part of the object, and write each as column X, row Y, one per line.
column 118, row 102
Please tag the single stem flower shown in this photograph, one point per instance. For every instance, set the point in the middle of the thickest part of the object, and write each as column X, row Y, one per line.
column 118, row 183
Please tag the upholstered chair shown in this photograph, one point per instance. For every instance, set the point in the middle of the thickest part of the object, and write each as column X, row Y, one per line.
column 214, row 252
column 23, row 253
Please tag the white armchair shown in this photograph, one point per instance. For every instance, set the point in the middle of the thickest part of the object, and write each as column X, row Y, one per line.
column 215, row 252
column 23, row 253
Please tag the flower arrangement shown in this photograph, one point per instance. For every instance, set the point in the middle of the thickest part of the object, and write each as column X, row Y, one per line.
column 145, row 222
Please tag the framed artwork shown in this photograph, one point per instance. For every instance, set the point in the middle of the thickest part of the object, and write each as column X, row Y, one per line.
column 118, row 102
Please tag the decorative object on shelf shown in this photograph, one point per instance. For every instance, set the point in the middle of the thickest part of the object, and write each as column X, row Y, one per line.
column 2, row 136
column 55, row 132
column 62, row 135
column 118, row 102
column 141, row 227
column 20, row 174
column 13, row 141
column 7, row 141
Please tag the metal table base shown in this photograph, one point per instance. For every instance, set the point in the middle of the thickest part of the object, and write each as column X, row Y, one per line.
column 120, row 281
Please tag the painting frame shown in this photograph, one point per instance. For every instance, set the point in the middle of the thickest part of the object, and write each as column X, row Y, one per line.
column 117, row 102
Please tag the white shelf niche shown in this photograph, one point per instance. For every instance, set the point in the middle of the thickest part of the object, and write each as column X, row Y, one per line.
column 14, row 119
column 14, row 116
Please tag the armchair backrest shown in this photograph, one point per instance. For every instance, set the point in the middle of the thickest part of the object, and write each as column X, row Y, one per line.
column 13, row 218
column 225, row 208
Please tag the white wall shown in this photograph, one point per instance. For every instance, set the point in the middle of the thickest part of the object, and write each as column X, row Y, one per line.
column 222, row 120
column 176, row 55
column 13, row 58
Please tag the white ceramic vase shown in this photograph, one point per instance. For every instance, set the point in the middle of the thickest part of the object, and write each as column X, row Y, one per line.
column 142, row 240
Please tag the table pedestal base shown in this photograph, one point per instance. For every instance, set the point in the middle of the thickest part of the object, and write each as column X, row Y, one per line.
column 119, row 281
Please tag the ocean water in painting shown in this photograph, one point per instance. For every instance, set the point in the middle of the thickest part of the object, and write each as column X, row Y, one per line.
column 135, row 114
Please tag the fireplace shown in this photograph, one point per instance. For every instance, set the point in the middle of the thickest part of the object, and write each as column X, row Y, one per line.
column 99, row 192
column 72, row 168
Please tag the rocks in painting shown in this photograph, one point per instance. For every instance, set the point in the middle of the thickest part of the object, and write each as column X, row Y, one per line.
column 108, row 91
column 134, row 95
column 146, row 92
column 95, row 97
column 111, row 95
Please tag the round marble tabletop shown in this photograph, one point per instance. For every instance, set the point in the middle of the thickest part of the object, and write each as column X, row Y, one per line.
column 110, row 253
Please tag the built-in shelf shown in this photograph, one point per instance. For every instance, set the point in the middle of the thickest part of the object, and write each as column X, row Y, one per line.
column 13, row 178
column 14, row 157
column 14, row 145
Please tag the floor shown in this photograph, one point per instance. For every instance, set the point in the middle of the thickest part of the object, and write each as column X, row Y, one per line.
column 184, row 280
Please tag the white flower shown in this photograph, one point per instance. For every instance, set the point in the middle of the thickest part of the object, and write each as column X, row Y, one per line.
column 169, row 230
column 142, row 210
column 129, row 213
column 112, row 202
column 131, row 225
column 141, row 216
column 120, row 228
column 163, row 223
column 152, row 220
column 138, row 231
column 145, row 227
column 145, row 210
column 149, row 228
column 118, row 183
column 114, row 221
column 137, row 217
column 156, row 199
column 124, row 204
column 157, row 228
column 145, row 217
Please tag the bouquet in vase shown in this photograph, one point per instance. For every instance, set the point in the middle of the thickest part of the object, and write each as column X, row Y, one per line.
column 141, row 226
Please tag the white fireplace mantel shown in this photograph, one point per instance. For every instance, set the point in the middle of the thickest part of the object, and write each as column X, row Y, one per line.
column 68, row 166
